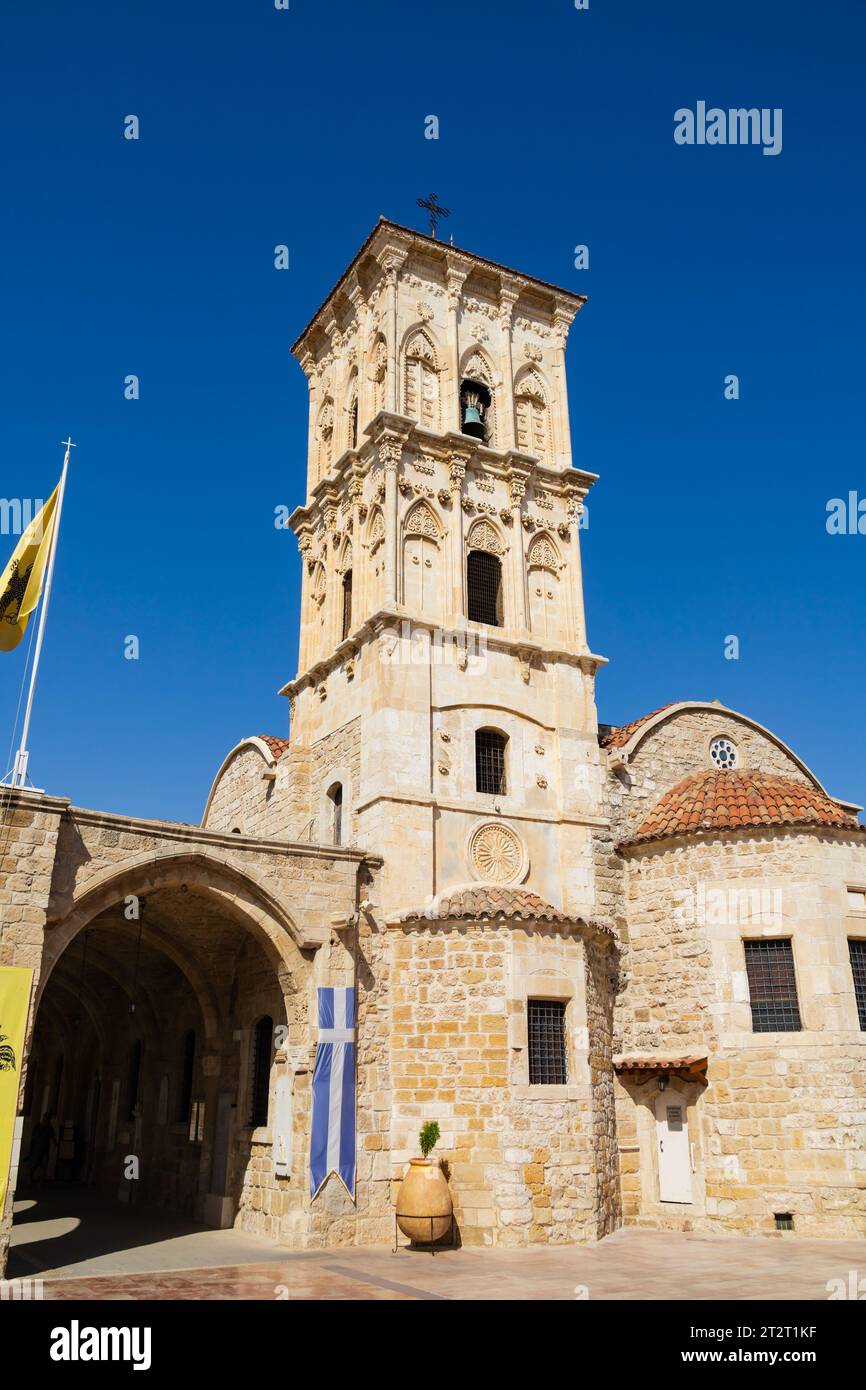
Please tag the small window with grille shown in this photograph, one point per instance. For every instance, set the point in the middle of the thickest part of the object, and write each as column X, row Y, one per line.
column 548, row 1064
column 772, row 986
column 490, row 762
column 347, row 605
column 857, row 953
column 484, row 588
column 263, row 1038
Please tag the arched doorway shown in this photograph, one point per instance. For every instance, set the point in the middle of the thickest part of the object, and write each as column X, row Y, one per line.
column 147, row 1057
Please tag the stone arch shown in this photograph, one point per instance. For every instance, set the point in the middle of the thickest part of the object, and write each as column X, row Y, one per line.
column 543, row 551
column 532, row 422
column 483, row 535
column 344, row 561
column 377, row 371
column 421, row 379
column 325, row 423
column 475, row 365
column 375, row 540
column 254, row 742
column 422, row 577
column 350, row 411
column 421, row 520
column 235, row 891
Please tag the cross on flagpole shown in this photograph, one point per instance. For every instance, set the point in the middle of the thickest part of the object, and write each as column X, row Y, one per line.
column 435, row 209
column 22, row 757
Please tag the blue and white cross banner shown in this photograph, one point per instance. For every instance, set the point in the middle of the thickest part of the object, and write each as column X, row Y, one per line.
column 332, row 1142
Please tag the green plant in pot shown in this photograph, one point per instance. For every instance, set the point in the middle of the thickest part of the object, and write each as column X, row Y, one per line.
column 424, row 1204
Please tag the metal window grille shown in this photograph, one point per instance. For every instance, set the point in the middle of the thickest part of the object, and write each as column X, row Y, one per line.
column 547, row 1060
column 187, row 1070
column 490, row 762
column 484, row 588
column 263, row 1035
column 784, row 1221
column 857, row 953
column 347, row 605
column 772, row 986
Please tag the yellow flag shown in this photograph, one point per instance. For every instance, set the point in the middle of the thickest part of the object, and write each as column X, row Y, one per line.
column 15, row 983
column 21, row 581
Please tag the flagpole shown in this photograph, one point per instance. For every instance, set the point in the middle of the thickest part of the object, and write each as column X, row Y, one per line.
column 22, row 757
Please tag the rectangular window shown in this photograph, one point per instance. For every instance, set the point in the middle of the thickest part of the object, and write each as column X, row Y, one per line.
column 857, row 952
column 772, row 986
column 547, row 1056
column 490, row 762
column 484, row 588
column 856, row 900
column 346, row 626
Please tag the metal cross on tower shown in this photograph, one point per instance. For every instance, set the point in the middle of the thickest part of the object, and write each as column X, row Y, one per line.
column 433, row 206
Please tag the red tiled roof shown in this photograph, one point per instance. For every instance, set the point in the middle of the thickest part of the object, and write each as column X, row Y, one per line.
column 485, row 903
column 618, row 737
column 650, row 1063
column 738, row 799
column 277, row 746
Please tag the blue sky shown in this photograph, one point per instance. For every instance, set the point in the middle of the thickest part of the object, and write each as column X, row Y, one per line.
column 261, row 127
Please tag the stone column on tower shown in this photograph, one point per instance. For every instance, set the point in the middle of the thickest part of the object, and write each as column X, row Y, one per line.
column 562, row 322
column 508, row 297
column 390, row 454
column 517, row 478
column 455, row 279
column 456, row 473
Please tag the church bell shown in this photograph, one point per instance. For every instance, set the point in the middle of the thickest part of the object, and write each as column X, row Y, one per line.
column 473, row 422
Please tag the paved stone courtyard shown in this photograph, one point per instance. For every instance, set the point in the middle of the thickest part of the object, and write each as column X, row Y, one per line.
column 93, row 1249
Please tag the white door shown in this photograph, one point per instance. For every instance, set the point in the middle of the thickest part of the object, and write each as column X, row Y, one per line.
column 672, row 1137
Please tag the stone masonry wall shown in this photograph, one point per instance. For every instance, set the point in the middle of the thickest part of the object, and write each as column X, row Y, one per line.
column 781, row 1126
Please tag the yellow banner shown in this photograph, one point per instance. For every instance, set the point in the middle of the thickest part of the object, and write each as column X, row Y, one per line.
column 21, row 581
column 15, row 985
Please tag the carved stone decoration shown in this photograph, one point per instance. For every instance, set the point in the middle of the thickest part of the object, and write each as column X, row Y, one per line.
column 467, row 504
column 390, row 452
column 528, row 522
column 350, row 669
column 542, row 552
column 506, row 516
column 541, row 782
column 516, row 490
column 406, row 487
column 377, row 530
column 483, row 536
column 532, row 351
column 563, row 531
column 496, row 853
column 456, row 474
column 422, row 522
column 539, row 748
column 444, row 497
column 425, row 311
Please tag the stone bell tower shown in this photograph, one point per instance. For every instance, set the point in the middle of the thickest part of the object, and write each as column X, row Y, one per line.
column 445, row 693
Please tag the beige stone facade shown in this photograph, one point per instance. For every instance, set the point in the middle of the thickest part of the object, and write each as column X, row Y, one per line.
column 367, row 848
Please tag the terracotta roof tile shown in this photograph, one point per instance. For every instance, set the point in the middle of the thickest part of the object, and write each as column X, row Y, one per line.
column 277, row 746
column 618, row 737
column 650, row 1063
column 738, row 799
column 487, row 902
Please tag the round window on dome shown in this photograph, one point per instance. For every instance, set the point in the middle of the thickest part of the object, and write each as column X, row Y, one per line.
column 723, row 753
